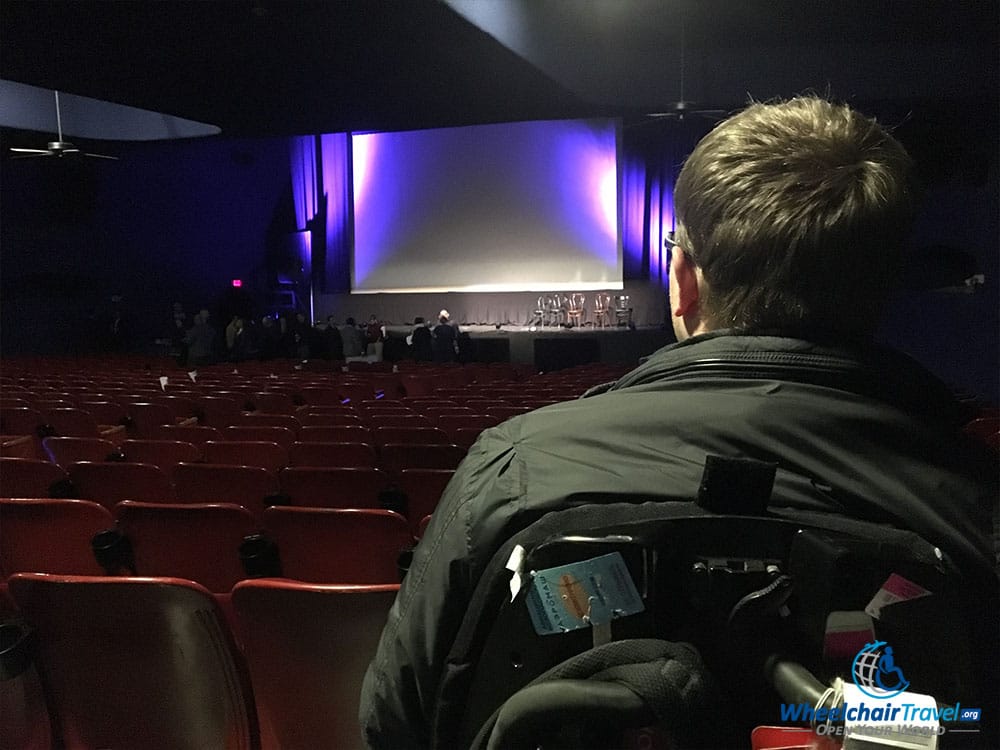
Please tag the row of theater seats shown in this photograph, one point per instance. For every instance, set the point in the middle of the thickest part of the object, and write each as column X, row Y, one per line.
column 199, row 651
column 203, row 542
column 192, row 653
column 155, row 663
column 410, row 488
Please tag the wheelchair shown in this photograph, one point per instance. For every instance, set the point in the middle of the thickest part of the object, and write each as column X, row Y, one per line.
column 734, row 611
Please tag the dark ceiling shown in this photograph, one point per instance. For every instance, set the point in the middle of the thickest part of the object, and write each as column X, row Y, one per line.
column 269, row 67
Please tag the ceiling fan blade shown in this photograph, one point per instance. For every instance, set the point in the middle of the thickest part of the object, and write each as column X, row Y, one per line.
column 100, row 156
column 38, row 151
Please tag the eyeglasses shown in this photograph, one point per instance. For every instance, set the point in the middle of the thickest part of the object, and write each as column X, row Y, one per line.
column 669, row 244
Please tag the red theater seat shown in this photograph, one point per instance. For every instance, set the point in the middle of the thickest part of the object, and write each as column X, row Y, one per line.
column 218, row 411
column 423, row 488
column 379, row 418
column 50, row 536
column 308, row 646
column 418, row 435
column 199, row 542
column 314, row 419
column 333, row 455
column 330, row 545
column 283, row 436
column 162, row 453
column 255, row 419
column 266, row 455
column 395, row 457
column 67, row 450
column 451, row 422
column 111, row 482
column 30, row 477
column 147, row 419
column 270, row 402
column 248, row 486
column 345, row 433
column 169, row 678
column 196, row 434
column 333, row 487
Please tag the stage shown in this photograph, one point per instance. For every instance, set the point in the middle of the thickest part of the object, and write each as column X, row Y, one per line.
column 546, row 347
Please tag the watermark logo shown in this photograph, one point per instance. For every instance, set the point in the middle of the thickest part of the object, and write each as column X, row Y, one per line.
column 875, row 672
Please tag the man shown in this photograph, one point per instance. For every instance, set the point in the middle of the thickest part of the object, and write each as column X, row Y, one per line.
column 444, row 341
column 352, row 340
column 791, row 218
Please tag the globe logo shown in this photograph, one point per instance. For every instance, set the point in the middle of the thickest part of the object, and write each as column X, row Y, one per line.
column 875, row 672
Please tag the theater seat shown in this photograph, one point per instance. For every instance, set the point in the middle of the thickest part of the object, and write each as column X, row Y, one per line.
column 66, row 450
column 199, row 542
column 170, row 678
column 423, row 488
column 283, row 436
column 328, row 545
column 248, row 486
column 163, row 453
column 398, row 456
column 30, row 477
column 334, row 454
column 264, row 454
column 79, row 423
column 50, row 536
column 308, row 646
column 110, row 483
column 333, row 487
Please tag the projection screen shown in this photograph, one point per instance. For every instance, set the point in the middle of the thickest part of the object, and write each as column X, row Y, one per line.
column 529, row 206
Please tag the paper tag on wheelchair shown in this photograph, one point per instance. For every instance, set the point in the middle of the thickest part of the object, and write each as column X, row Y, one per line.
column 590, row 593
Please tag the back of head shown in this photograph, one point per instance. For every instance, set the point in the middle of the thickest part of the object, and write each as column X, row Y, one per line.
column 796, row 214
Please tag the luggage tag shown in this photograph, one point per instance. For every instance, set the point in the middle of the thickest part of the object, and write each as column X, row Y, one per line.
column 590, row 593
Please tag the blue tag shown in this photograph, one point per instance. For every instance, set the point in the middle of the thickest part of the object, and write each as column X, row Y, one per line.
column 583, row 594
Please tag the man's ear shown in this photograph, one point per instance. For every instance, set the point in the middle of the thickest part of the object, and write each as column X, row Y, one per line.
column 686, row 277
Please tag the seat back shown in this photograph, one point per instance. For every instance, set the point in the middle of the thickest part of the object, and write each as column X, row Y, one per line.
column 327, row 545
column 50, row 536
column 333, row 487
column 147, row 417
column 248, row 486
column 198, row 542
column 257, row 419
column 739, row 588
column 66, row 450
column 266, row 455
column 417, row 435
column 347, row 433
column 398, row 456
column 162, row 453
column 333, row 455
column 30, row 477
column 218, row 411
column 71, row 422
column 308, row 646
column 20, row 420
column 423, row 489
column 271, row 402
column 109, row 483
column 270, row 433
column 170, row 678
column 196, row 434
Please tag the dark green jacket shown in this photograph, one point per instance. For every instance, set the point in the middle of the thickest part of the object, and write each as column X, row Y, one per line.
column 858, row 431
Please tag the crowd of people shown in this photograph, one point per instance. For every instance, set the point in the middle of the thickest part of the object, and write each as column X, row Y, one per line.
column 199, row 340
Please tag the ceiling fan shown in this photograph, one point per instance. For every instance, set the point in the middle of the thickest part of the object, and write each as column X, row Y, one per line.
column 58, row 148
column 682, row 108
